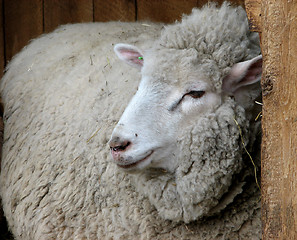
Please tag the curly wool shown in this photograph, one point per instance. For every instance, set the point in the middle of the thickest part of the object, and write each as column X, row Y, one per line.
column 220, row 36
column 57, row 181
column 207, row 162
column 221, row 39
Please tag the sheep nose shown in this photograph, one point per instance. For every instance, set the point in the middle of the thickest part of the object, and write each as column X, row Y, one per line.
column 118, row 145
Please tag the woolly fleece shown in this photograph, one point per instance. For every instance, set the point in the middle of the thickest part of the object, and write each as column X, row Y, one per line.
column 64, row 93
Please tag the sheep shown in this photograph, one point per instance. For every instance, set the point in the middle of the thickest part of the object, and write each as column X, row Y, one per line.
column 176, row 164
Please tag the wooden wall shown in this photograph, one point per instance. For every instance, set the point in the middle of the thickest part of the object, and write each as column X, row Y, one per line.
column 276, row 20
column 22, row 20
column 2, row 58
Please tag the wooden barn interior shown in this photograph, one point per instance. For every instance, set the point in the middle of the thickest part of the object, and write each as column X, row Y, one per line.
column 276, row 22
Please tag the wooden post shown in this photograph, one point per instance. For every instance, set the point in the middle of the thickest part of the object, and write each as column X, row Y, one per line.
column 277, row 22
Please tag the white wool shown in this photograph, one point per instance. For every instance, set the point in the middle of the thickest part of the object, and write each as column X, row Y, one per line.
column 57, row 179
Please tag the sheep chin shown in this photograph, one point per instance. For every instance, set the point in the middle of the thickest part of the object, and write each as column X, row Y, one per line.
column 206, row 165
column 138, row 164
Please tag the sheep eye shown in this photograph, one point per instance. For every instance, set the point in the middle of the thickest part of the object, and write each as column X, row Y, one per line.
column 193, row 94
column 196, row 94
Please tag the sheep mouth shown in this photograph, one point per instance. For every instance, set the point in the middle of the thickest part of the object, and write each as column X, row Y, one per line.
column 129, row 166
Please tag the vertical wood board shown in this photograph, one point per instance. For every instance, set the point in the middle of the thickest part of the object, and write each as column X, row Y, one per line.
column 279, row 149
column 57, row 12
column 170, row 10
column 117, row 10
column 2, row 57
column 23, row 21
column 164, row 10
column 2, row 65
column 200, row 3
column 253, row 9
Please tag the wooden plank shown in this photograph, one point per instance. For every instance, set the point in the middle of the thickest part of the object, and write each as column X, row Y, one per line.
column 234, row 2
column 116, row 10
column 170, row 10
column 2, row 57
column 164, row 10
column 23, row 21
column 2, row 61
column 2, row 66
column 253, row 9
column 57, row 12
column 279, row 151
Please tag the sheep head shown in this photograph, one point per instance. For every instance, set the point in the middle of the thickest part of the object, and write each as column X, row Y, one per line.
column 192, row 112
column 176, row 90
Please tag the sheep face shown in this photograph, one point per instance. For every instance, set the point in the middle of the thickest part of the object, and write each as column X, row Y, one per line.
column 176, row 90
column 170, row 95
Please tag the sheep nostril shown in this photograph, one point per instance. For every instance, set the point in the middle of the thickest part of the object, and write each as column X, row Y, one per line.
column 121, row 147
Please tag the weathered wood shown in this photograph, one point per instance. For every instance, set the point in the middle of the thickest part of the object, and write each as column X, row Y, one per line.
column 278, row 25
column 253, row 9
column 2, row 65
column 57, row 12
column 170, row 10
column 2, row 57
column 164, row 10
column 116, row 10
column 3, row 226
column 234, row 2
column 23, row 21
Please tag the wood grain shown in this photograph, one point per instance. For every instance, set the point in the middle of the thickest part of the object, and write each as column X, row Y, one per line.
column 279, row 149
column 23, row 21
column 2, row 65
column 170, row 10
column 253, row 9
column 2, row 57
column 116, row 10
column 163, row 10
column 57, row 12
column 233, row 2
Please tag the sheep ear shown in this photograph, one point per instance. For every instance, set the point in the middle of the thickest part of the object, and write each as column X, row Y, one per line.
column 242, row 75
column 129, row 54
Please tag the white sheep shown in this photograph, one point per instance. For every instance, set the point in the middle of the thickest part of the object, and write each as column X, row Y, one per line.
column 181, row 170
